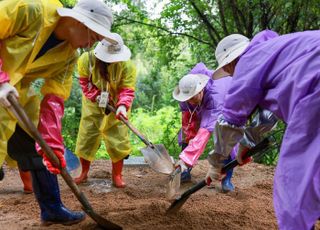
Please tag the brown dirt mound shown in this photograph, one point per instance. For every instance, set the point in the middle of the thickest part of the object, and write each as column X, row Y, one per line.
column 142, row 204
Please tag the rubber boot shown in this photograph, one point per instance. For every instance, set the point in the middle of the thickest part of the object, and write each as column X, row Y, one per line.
column 116, row 174
column 1, row 174
column 186, row 175
column 226, row 183
column 46, row 189
column 85, row 165
column 26, row 180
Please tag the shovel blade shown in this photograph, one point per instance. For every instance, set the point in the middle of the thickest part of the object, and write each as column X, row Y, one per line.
column 103, row 223
column 158, row 158
column 173, row 187
column 176, row 205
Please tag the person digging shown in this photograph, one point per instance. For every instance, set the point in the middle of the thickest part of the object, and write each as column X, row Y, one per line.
column 106, row 76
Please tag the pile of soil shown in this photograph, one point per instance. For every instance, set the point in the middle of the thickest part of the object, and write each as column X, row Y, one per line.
column 142, row 204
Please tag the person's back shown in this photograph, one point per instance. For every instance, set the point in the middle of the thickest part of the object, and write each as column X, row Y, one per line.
column 269, row 72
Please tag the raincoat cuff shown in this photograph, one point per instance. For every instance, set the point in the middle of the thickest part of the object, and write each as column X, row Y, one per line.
column 196, row 146
column 89, row 90
column 50, row 127
column 125, row 97
column 4, row 77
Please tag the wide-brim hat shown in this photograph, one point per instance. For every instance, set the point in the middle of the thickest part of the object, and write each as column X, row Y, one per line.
column 189, row 86
column 94, row 14
column 229, row 48
column 109, row 53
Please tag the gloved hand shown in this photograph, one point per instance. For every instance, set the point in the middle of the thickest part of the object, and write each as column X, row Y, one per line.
column 50, row 166
column 5, row 89
column 98, row 99
column 241, row 153
column 214, row 176
column 121, row 110
column 182, row 165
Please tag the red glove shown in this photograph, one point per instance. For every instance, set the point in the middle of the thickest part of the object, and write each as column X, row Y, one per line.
column 240, row 155
column 50, row 166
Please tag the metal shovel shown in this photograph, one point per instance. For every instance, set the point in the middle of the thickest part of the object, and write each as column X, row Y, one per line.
column 23, row 118
column 155, row 155
column 173, row 186
column 177, row 204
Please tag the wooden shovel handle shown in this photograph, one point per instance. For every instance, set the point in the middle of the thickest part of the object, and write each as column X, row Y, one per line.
column 131, row 127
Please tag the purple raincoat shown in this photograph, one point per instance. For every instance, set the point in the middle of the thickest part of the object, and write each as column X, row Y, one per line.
column 209, row 110
column 282, row 74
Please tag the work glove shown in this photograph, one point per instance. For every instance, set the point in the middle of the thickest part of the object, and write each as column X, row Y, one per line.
column 241, row 153
column 121, row 111
column 50, row 166
column 5, row 90
column 182, row 165
column 214, row 176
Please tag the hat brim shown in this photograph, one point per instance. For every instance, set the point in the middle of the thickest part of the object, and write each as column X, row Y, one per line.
column 177, row 95
column 92, row 25
column 124, row 55
column 233, row 55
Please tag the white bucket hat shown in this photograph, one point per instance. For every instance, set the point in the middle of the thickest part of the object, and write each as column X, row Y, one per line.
column 108, row 52
column 229, row 48
column 94, row 14
column 189, row 86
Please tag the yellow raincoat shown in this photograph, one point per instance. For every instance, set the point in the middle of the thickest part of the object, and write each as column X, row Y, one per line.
column 25, row 26
column 94, row 124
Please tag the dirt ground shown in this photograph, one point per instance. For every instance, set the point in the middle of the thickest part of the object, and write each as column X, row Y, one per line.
column 142, row 204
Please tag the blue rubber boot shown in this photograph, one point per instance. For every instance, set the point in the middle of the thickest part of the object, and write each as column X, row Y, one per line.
column 226, row 183
column 46, row 189
column 186, row 175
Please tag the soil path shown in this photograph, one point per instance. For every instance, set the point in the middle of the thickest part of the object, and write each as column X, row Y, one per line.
column 142, row 204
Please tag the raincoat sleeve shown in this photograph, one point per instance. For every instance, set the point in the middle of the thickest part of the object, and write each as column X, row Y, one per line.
column 89, row 90
column 127, row 85
column 195, row 148
column 23, row 20
column 55, row 90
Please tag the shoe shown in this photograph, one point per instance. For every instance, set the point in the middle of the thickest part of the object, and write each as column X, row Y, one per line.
column 186, row 175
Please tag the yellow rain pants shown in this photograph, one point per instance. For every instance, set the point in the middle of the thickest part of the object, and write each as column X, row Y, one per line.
column 94, row 124
column 25, row 27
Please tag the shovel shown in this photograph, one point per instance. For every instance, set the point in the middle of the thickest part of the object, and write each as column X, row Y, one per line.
column 155, row 155
column 174, row 184
column 177, row 203
column 23, row 118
